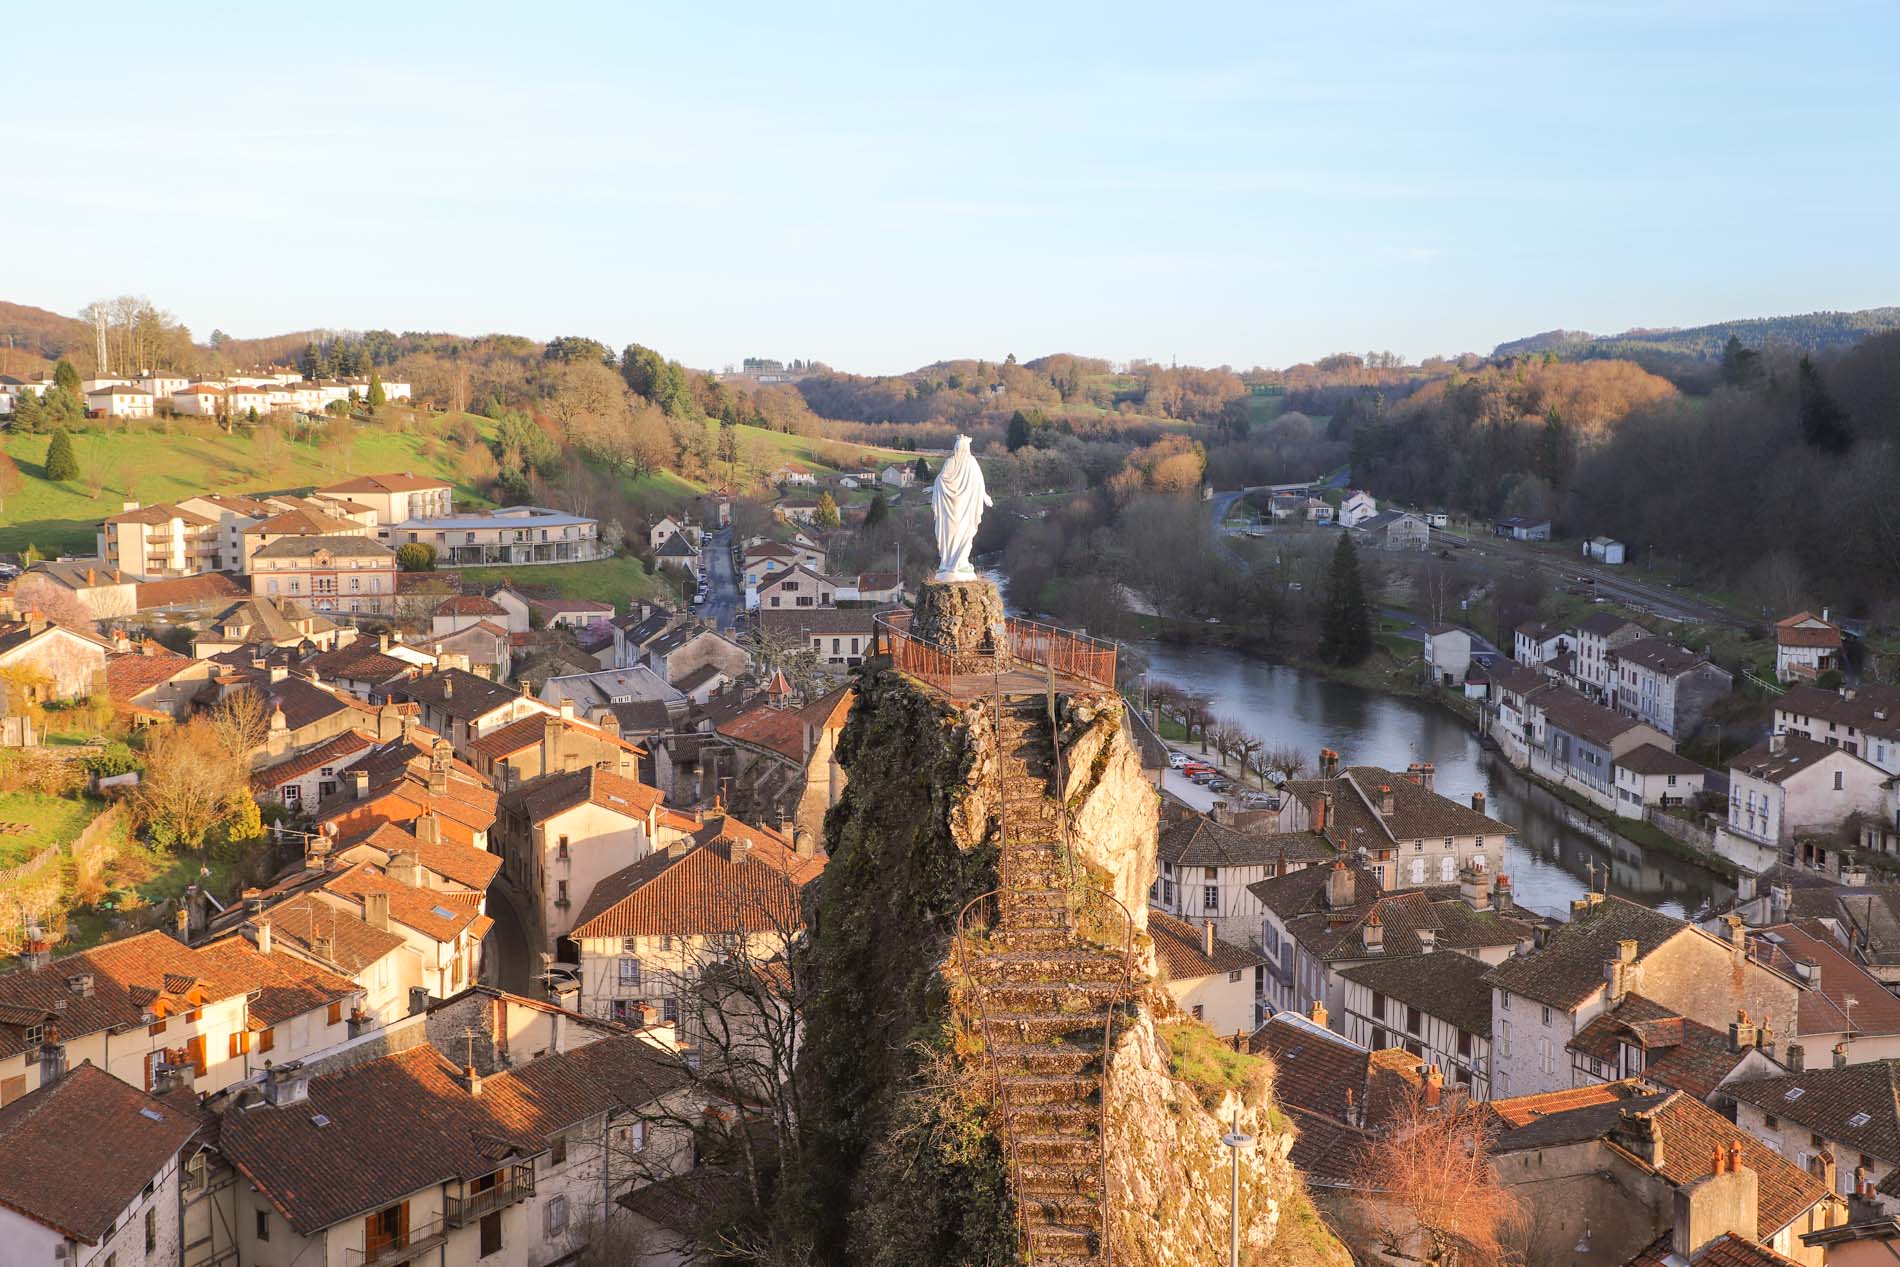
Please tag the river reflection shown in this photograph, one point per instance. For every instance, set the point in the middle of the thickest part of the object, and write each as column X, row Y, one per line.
column 1555, row 850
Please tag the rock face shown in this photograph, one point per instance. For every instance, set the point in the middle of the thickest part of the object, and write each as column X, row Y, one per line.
column 904, row 1160
column 961, row 617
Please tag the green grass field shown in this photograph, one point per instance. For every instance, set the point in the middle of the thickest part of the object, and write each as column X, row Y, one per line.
column 158, row 466
column 48, row 820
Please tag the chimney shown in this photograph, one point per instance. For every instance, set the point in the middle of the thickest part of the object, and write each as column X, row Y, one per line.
column 1474, row 886
column 287, row 1083
column 376, row 910
column 1617, row 972
column 439, row 780
column 1328, row 764
column 359, row 783
column 1427, row 774
column 1501, row 894
column 1340, row 883
column 1779, row 895
column 181, row 925
column 1840, row 1055
column 1639, row 1133
column 471, row 1079
column 263, row 937
column 1765, row 1034
column 1796, row 1058
column 1372, row 935
column 1385, row 801
column 1427, row 939
column 551, row 730
column 1207, row 938
column 1737, row 934
column 805, row 843
column 1320, row 812
column 1741, row 1032
column 1434, row 1086
column 1778, row 743
column 404, row 869
column 1477, row 801
column 1721, row 1204
column 448, row 686
column 427, row 828
column 388, row 723
column 1222, row 813
column 1318, row 1016
column 567, row 710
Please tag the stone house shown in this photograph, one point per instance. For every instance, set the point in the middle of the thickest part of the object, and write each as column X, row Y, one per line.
column 687, row 648
column 117, row 1151
column 1394, row 530
column 462, row 707
column 1447, row 654
column 1650, row 775
column 1667, row 686
column 550, row 744
column 1838, row 1122
column 55, row 661
column 1209, row 979
column 1437, row 1006
column 1793, row 785
column 1597, row 636
column 1806, row 646
column 332, row 574
column 797, row 586
column 1206, row 865
column 106, row 591
column 1863, row 720
column 1412, row 836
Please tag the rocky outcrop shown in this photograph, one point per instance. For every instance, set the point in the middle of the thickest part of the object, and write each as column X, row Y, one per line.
column 962, row 618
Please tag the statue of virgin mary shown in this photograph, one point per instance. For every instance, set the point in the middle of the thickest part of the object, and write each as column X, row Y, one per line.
column 958, row 498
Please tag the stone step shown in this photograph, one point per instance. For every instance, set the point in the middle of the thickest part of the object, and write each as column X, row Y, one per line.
column 1060, row 1181
column 1081, row 1030
column 1028, row 939
column 1045, row 967
column 1052, row 1121
column 1057, row 1150
column 1046, row 1059
column 1066, row 1245
column 1088, row 999
column 1033, row 1089
column 1082, row 1213
column 1037, row 917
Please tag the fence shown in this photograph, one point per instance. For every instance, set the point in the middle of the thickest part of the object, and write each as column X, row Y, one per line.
column 1026, row 644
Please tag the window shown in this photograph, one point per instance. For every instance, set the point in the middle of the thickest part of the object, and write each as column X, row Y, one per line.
column 1233, row 976
column 1464, row 1043
column 630, row 973
column 1769, row 1121
column 670, row 1010
column 1546, row 1015
column 630, row 945
column 1210, row 897
column 555, row 1217
column 1837, row 780
column 560, row 893
column 151, row 1230
column 1504, row 1039
column 1859, row 1119
column 336, row 1013
column 1378, row 1006
column 560, row 850
column 266, row 1040
column 1504, row 1000
column 1413, row 1021
column 263, row 1225
column 1197, row 1011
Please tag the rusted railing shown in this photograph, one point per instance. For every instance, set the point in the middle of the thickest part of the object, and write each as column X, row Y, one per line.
column 1026, row 644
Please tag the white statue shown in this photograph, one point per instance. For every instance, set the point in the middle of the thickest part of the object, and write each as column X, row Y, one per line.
column 958, row 498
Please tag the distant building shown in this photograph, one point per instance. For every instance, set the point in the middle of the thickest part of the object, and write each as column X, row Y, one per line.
column 1394, row 530
column 119, row 401
column 1604, row 550
column 511, row 535
column 332, row 574
column 1522, row 528
column 394, row 497
column 1806, row 646
column 1357, row 507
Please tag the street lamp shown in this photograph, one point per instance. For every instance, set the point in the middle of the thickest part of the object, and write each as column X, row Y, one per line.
column 1235, row 1139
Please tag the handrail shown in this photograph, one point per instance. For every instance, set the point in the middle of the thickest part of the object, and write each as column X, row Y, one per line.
column 1026, row 643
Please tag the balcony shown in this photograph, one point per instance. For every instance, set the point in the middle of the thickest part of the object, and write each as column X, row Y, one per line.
column 518, row 1186
column 398, row 1247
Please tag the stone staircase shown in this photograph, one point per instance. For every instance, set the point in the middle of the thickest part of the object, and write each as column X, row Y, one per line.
column 1044, row 995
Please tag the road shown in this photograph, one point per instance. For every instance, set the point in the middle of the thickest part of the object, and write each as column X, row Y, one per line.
column 723, row 599
column 505, row 959
column 1501, row 556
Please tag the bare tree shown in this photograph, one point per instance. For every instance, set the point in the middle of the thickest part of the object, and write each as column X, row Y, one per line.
column 36, row 592
column 1439, row 1197
column 241, row 722
column 1196, row 712
column 1285, row 760
column 1247, row 747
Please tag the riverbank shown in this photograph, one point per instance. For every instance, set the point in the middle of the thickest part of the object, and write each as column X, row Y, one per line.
column 1392, row 673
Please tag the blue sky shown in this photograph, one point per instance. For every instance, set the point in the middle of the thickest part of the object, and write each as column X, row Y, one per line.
column 881, row 186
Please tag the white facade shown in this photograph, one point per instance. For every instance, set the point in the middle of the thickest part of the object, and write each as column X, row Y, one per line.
column 132, row 1241
column 120, row 402
column 1358, row 507
column 1817, row 798
column 1375, row 1021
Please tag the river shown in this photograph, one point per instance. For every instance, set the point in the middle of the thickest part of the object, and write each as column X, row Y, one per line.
column 1555, row 851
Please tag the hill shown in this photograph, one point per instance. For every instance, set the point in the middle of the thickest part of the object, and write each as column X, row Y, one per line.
column 30, row 335
column 1656, row 349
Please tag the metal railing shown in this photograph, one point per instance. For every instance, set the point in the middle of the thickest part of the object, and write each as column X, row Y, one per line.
column 461, row 1211
column 1092, row 916
column 1026, row 644
column 409, row 1241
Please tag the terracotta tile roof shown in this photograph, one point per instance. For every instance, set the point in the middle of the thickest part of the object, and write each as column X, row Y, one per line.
column 1650, row 759
column 1726, row 1250
column 457, row 863
column 470, row 605
column 128, row 977
column 1678, row 1053
column 1858, row 1105
column 1449, row 986
column 809, row 621
column 1871, row 706
column 206, row 587
column 133, row 673
column 780, row 729
column 302, row 523
column 1199, row 841
column 336, row 751
column 304, row 703
column 1822, row 1008
column 327, row 932
column 1326, row 1151
column 1314, row 1068
column 1569, row 968
column 1798, row 755
column 163, row 513
column 707, row 886
column 1416, row 813
column 550, row 794
column 521, row 735
column 1180, row 949
column 431, row 912
column 82, row 1149
column 285, row 985
column 392, row 483
column 318, row 1175
column 1805, row 629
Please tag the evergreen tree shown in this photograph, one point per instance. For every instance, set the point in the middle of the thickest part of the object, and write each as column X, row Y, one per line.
column 28, row 412
column 922, row 470
column 827, row 516
column 1345, row 624
column 1824, row 424
column 728, row 444
column 66, row 375
column 58, row 407
column 61, row 462
column 1741, row 367
column 1018, row 431
column 877, row 512
column 377, row 397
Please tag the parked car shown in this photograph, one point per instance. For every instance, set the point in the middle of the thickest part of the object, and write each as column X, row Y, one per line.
column 1220, row 785
column 1259, row 800
column 1179, row 760
column 1202, row 777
